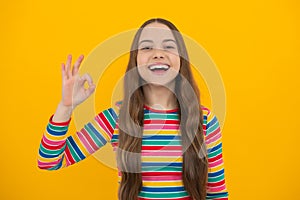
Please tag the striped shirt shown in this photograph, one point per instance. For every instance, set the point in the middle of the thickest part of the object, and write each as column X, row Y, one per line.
column 161, row 154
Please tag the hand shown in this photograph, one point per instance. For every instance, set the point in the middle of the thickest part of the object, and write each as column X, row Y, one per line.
column 73, row 90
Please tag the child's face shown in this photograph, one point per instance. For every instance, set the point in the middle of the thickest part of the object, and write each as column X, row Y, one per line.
column 158, row 58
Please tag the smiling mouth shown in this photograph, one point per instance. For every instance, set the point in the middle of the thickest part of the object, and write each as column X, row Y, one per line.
column 159, row 67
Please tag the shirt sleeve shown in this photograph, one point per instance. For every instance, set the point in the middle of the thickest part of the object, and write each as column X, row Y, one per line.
column 57, row 150
column 216, row 187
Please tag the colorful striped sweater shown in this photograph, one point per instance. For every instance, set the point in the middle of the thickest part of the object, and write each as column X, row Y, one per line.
column 161, row 153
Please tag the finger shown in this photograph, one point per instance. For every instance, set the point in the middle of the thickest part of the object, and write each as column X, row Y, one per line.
column 77, row 65
column 68, row 65
column 63, row 71
column 86, row 77
column 90, row 90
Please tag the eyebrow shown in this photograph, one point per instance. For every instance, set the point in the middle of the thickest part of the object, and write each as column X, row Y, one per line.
column 151, row 41
column 169, row 40
column 145, row 41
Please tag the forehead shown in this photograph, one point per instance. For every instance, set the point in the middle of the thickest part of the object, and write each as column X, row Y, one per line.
column 156, row 32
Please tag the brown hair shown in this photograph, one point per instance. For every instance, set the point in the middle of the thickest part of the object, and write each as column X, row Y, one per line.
column 131, row 123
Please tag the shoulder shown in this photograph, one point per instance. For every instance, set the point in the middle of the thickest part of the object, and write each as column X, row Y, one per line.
column 118, row 104
column 205, row 111
column 210, row 121
column 208, row 115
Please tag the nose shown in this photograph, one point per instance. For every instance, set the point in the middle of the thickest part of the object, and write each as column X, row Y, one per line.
column 158, row 53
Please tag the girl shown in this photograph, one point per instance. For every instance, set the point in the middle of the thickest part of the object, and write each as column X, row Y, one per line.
column 168, row 146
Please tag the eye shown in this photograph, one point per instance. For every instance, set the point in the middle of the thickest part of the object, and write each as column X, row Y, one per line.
column 169, row 47
column 146, row 48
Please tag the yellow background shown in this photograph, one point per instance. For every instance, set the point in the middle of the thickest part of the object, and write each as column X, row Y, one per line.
column 255, row 45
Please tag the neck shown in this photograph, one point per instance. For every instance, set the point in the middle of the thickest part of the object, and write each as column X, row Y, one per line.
column 159, row 97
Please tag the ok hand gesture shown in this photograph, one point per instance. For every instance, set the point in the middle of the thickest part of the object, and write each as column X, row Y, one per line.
column 73, row 90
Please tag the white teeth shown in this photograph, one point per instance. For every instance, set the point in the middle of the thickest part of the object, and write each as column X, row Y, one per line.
column 159, row 67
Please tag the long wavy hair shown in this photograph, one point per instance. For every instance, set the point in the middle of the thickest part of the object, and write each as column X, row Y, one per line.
column 131, row 122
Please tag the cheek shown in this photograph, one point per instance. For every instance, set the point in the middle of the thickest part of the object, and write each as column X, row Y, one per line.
column 176, row 61
column 141, row 59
